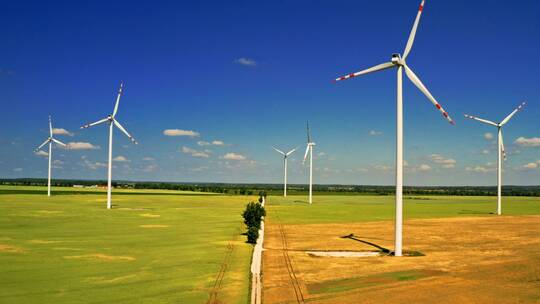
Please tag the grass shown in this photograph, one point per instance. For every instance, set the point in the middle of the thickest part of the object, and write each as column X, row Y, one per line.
column 152, row 248
column 358, row 208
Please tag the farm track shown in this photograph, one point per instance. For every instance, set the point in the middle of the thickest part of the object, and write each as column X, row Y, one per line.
column 294, row 280
column 218, row 283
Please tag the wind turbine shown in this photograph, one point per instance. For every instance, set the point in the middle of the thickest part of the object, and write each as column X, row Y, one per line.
column 500, row 148
column 285, row 155
column 400, row 64
column 111, row 119
column 309, row 148
column 50, row 141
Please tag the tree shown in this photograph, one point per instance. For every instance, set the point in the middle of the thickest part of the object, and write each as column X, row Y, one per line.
column 253, row 215
column 252, row 235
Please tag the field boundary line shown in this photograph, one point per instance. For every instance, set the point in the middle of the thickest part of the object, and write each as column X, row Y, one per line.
column 256, row 264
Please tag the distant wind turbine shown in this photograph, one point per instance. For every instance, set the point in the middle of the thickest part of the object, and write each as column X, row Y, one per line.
column 400, row 64
column 309, row 148
column 50, row 141
column 500, row 148
column 111, row 119
column 285, row 156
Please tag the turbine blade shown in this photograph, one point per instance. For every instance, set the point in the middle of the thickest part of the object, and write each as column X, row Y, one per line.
column 118, row 99
column 512, row 114
column 489, row 122
column 424, row 90
column 43, row 144
column 291, row 152
column 95, row 123
column 410, row 42
column 59, row 142
column 279, row 151
column 502, row 145
column 50, row 126
column 380, row 67
column 119, row 126
column 305, row 155
column 308, row 135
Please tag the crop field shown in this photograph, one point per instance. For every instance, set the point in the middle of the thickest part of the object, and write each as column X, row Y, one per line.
column 460, row 252
column 153, row 247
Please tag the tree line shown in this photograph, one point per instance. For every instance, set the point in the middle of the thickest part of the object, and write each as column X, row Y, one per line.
column 276, row 189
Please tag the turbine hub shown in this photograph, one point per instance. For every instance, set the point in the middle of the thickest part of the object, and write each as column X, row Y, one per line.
column 396, row 59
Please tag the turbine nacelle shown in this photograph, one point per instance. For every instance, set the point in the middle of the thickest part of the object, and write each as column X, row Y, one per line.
column 396, row 59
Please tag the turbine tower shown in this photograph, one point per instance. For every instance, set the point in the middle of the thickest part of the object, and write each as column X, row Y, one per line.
column 285, row 156
column 309, row 148
column 500, row 148
column 50, row 141
column 400, row 64
column 111, row 119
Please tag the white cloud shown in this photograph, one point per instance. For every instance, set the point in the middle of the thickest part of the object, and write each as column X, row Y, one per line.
column 17, row 170
column 61, row 131
column 384, row 167
column 479, row 169
column 41, row 153
column 531, row 165
column 485, row 151
column 179, row 132
column 375, row 133
column 528, row 142
column 234, row 156
column 199, row 169
column 195, row 153
column 148, row 158
column 120, row 158
column 488, row 136
column 446, row 163
column 149, row 168
column 213, row 143
column 93, row 165
column 424, row 167
column 246, row 61
column 81, row 146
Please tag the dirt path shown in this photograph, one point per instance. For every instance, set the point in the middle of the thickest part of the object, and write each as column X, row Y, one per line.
column 494, row 259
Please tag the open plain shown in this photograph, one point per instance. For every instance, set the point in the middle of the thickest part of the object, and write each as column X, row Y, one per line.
column 152, row 247
column 460, row 252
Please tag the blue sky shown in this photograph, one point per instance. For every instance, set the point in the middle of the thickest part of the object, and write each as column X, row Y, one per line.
column 248, row 75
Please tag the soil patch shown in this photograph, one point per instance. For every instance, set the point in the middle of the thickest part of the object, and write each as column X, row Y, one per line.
column 11, row 249
column 344, row 254
column 149, row 215
column 154, row 226
column 101, row 257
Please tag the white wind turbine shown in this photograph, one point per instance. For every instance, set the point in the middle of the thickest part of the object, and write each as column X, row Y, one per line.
column 309, row 148
column 500, row 148
column 111, row 119
column 400, row 64
column 285, row 156
column 50, row 141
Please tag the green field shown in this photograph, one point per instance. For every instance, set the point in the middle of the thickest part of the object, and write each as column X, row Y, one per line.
column 154, row 247
column 360, row 208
